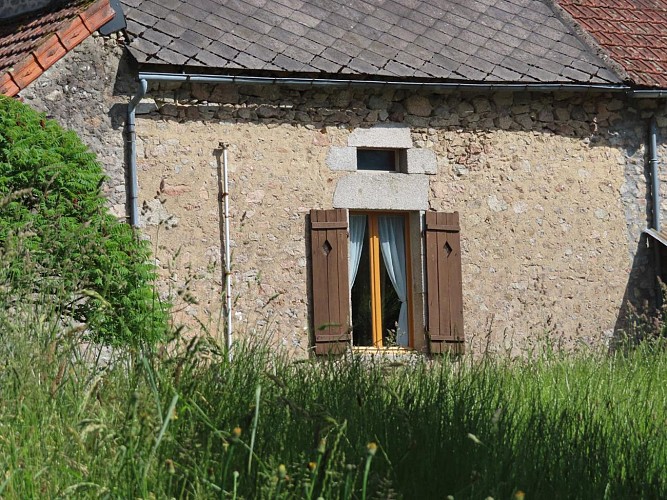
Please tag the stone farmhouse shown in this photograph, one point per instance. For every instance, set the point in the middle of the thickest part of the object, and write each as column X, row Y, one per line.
column 434, row 175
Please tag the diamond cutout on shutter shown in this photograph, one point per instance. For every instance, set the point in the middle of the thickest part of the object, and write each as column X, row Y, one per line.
column 448, row 249
column 326, row 247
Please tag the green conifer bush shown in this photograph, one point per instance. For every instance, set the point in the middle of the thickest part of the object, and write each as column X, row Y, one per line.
column 58, row 240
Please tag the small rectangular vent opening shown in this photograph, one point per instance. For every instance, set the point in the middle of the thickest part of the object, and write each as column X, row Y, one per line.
column 378, row 160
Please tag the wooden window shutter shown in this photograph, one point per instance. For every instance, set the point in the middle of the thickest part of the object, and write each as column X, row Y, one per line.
column 443, row 282
column 331, row 294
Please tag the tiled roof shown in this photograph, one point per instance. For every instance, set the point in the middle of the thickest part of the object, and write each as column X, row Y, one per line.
column 31, row 43
column 633, row 32
column 450, row 40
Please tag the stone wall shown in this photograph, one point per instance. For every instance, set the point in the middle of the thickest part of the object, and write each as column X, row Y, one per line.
column 551, row 190
column 88, row 91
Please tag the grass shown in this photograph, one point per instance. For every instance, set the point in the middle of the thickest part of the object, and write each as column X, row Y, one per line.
column 151, row 425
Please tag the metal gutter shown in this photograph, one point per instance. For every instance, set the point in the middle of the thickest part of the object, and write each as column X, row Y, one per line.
column 647, row 94
column 660, row 237
column 133, row 186
column 328, row 82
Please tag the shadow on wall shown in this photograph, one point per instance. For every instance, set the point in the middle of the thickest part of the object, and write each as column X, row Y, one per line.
column 125, row 82
column 218, row 152
column 309, row 281
column 571, row 115
column 125, row 85
column 641, row 311
column 641, row 300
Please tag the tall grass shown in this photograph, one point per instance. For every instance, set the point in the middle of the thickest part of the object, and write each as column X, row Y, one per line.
column 155, row 425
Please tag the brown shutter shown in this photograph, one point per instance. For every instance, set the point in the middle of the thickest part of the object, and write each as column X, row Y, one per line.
column 331, row 302
column 443, row 281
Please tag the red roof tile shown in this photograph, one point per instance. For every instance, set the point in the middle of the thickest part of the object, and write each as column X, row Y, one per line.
column 632, row 32
column 31, row 43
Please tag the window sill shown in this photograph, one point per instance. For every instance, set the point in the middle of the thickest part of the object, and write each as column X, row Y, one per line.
column 379, row 350
column 392, row 355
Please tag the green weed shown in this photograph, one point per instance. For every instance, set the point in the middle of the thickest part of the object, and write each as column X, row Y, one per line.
column 191, row 424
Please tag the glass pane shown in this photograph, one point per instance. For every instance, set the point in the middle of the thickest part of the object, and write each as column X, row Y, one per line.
column 362, row 322
column 391, row 308
column 376, row 159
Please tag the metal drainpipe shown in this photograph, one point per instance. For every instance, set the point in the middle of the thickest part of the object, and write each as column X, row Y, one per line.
column 655, row 179
column 134, row 189
column 655, row 201
column 132, row 155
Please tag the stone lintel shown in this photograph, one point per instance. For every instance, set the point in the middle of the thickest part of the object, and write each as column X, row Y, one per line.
column 146, row 106
column 421, row 161
column 382, row 191
column 342, row 158
column 386, row 135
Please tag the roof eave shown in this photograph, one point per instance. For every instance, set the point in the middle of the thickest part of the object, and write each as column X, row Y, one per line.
column 164, row 72
column 54, row 46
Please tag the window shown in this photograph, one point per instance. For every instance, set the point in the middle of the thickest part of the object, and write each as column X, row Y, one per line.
column 349, row 309
column 379, row 276
column 383, row 160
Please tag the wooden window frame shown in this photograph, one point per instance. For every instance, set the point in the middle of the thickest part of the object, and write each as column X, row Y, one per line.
column 373, row 239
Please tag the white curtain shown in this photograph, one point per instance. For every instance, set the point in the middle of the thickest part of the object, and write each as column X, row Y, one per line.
column 357, row 231
column 392, row 243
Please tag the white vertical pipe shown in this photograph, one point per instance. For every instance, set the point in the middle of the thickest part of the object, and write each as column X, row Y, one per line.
column 228, row 266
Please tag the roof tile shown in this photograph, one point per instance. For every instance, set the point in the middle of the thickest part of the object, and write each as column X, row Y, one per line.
column 503, row 74
column 155, row 10
column 147, row 19
column 174, row 17
column 183, row 47
column 398, row 69
column 49, row 52
column 630, row 33
column 210, row 59
column 311, row 47
column 157, row 37
column 32, row 42
column 325, row 65
column 190, row 37
column 320, row 37
column 146, row 46
column 297, row 54
column 175, row 31
column 361, row 66
column 248, row 61
column 435, row 71
column 471, row 73
column 372, row 58
column 336, row 56
column 487, row 40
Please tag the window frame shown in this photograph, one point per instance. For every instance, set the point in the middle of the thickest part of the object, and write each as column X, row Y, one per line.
column 372, row 238
column 434, row 282
column 397, row 163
